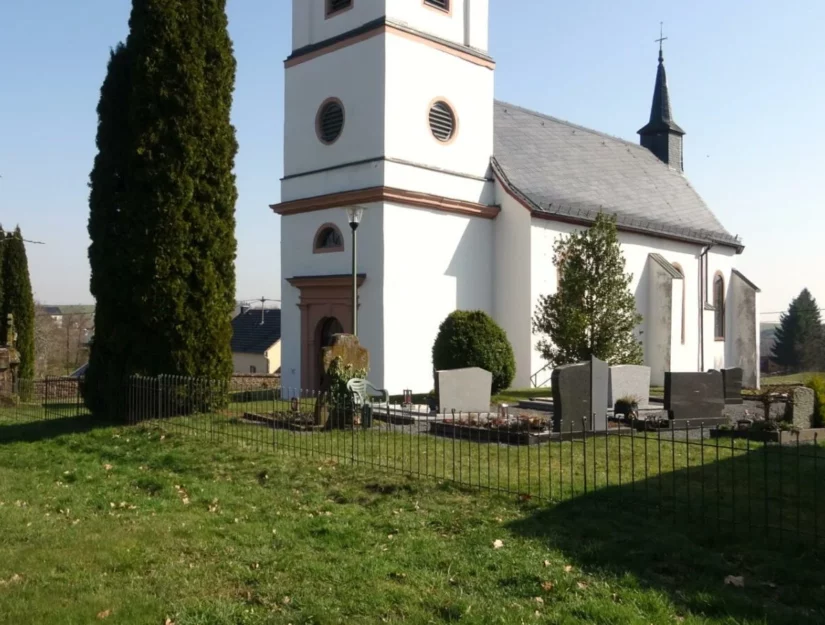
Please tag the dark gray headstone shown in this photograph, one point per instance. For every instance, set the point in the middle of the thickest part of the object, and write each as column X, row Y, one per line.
column 464, row 390
column 694, row 396
column 579, row 391
column 732, row 381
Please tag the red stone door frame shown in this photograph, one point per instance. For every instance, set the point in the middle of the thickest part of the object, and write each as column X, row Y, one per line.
column 321, row 297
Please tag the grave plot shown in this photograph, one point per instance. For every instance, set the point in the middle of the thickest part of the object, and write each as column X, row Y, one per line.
column 522, row 429
column 797, row 424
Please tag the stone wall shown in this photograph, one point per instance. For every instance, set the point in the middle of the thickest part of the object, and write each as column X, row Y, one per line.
column 254, row 382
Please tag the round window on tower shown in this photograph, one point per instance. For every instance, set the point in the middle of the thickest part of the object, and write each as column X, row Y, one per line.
column 442, row 121
column 330, row 121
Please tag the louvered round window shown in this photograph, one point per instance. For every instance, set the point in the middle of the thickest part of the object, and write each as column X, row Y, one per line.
column 442, row 121
column 330, row 121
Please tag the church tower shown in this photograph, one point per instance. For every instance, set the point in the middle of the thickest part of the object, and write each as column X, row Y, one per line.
column 394, row 93
column 662, row 135
column 388, row 107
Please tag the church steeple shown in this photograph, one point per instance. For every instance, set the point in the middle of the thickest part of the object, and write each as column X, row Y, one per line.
column 662, row 135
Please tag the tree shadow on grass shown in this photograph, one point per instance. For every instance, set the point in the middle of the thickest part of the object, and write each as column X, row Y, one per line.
column 45, row 429
column 688, row 549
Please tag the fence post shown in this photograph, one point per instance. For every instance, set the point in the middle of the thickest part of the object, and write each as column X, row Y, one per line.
column 46, row 399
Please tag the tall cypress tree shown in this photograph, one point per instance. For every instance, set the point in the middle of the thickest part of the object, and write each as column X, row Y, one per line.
column 114, row 250
column 183, row 74
column 800, row 338
column 18, row 299
column 2, row 254
column 162, row 205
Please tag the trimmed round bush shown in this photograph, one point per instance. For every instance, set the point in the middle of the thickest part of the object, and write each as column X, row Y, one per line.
column 473, row 339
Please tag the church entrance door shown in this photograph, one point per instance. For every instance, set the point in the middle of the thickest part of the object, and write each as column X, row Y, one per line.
column 326, row 309
column 327, row 328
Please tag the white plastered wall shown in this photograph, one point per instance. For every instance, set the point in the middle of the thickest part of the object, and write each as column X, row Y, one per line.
column 434, row 263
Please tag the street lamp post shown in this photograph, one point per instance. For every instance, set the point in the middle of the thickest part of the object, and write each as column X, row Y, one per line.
column 354, row 215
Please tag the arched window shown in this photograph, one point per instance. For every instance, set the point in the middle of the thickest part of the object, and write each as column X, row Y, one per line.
column 328, row 239
column 678, row 268
column 719, row 307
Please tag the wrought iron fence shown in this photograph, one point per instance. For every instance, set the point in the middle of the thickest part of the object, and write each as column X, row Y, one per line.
column 693, row 474
column 45, row 399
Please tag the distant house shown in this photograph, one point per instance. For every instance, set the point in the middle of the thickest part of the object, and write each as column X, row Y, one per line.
column 74, row 310
column 256, row 341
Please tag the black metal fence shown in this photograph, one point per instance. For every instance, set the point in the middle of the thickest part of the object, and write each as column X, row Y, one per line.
column 707, row 477
column 701, row 476
column 45, row 399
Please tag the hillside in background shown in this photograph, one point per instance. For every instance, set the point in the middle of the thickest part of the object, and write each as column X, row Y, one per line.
column 767, row 338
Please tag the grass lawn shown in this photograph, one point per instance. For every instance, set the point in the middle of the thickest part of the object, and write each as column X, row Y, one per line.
column 122, row 525
column 514, row 396
column 796, row 378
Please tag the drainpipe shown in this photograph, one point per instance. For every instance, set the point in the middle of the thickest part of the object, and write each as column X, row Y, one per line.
column 703, row 293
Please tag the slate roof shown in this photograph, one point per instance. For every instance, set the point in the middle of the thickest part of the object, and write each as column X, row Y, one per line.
column 250, row 336
column 71, row 309
column 561, row 169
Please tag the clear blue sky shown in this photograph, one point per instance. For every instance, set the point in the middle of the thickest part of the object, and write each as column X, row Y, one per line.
column 746, row 77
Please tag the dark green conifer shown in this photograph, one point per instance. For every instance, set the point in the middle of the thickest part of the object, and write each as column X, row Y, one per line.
column 18, row 299
column 114, row 252
column 162, row 215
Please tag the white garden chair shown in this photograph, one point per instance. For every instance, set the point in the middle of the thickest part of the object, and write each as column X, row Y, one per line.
column 362, row 390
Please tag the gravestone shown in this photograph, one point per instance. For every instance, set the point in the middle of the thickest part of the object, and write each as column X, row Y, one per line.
column 464, row 390
column 629, row 381
column 579, row 391
column 599, row 385
column 799, row 412
column 349, row 350
column 732, row 382
column 697, row 397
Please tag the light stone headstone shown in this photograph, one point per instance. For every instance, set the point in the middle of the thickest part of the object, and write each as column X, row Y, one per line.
column 629, row 381
column 464, row 390
column 799, row 412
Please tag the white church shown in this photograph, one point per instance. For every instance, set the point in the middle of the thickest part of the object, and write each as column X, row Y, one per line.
column 390, row 108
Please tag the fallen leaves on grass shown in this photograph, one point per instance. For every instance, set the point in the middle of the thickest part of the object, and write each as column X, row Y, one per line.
column 735, row 580
column 582, row 585
column 498, row 544
column 104, row 614
column 539, row 600
column 184, row 496
column 108, row 467
column 546, row 563
column 14, row 579
column 547, row 586
column 213, row 507
column 568, row 568
column 286, row 601
column 168, row 621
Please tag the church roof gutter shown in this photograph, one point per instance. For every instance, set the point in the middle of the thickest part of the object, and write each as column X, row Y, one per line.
column 587, row 217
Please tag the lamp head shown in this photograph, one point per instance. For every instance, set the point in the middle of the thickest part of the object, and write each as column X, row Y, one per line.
column 354, row 215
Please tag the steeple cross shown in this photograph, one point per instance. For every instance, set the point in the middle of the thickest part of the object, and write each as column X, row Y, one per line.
column 661, row 39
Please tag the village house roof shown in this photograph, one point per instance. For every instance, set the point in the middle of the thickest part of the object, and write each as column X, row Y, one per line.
column 568, row 172
column 254, row 331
